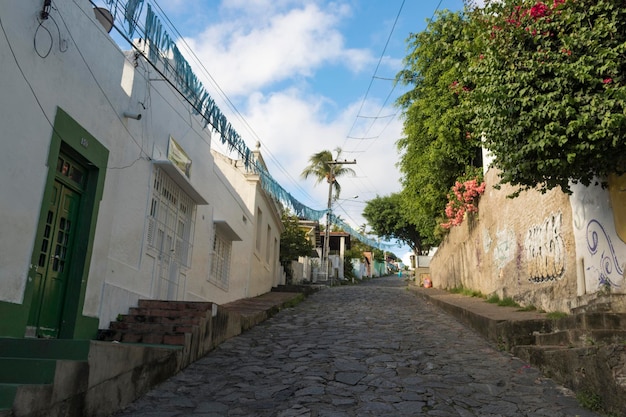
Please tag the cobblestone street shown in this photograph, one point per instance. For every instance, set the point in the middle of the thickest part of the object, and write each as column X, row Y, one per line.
column 373, row 349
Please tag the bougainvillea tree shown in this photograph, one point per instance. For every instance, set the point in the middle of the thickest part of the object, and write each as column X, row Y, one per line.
column 549, row 89
column 437, row 146
column 463, row 199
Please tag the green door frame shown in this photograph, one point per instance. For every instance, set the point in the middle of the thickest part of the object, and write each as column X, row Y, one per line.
column 72, row 139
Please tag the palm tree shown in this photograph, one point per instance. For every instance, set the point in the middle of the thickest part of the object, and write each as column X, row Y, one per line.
column 320, row 168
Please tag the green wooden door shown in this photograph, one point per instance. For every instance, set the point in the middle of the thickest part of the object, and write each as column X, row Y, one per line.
column 55, row 255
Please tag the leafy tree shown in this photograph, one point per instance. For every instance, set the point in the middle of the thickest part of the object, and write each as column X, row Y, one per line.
column 437, row 147
column 388, row 221
column 293, row 243
column 348, row 269
column 320, row 168
column 550, row 90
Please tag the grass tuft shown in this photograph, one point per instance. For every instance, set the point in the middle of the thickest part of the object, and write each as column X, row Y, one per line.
column 466, row 291
column 555, row 315
column 589, row 400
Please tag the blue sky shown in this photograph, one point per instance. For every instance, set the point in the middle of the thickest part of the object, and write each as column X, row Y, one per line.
column 300, row 76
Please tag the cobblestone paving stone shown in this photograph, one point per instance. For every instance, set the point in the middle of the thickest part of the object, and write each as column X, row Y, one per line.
column 373, row 349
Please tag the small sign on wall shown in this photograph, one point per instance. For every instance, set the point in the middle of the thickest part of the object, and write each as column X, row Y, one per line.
column 177, row 155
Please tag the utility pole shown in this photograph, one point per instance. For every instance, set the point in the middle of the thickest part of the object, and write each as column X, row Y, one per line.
column 331, row 181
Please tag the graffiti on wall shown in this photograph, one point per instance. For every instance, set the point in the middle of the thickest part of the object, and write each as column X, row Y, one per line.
column 545, row 250
column 504, row 247
column 605, row 265
column 486, row 240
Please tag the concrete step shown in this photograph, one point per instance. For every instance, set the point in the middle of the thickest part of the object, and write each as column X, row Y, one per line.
column 580, row 337
column 182, row 320
column 175, row 305
column 152, row 327
column 166, row 312
column 146, row 337
column 600, row 303
column 607, row 321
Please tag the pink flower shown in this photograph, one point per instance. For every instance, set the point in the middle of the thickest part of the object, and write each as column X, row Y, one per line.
column 462, row 200
column 539, row 10
column 607, row 81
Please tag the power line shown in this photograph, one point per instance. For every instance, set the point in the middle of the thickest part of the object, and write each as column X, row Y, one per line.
column 371, row 139
column 382, row 55
column 232, row 106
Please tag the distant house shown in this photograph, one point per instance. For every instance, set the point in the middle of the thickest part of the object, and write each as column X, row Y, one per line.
column 312, row 267
column 307, row 268
column 111, row 190
column 339, row 242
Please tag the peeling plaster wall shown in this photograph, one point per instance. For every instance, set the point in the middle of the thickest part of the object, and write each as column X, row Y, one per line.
column 522, row 248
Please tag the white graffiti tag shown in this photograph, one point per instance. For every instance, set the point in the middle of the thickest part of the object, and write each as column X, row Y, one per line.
column 545, row 250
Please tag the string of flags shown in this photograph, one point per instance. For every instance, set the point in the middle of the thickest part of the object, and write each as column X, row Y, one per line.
column 161, row 45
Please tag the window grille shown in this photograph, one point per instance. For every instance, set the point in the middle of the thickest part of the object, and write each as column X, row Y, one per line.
column 220, row 262
column 170, row 220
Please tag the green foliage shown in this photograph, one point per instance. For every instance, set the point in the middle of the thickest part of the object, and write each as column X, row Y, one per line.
column 541, row 85
column 466, row 291
column 437, row 146
column 348, row 269
column 549, row 90
column 293, row 243
column 508, row 302
column 589, row 400
column 493, row 299
column 388, row 220
column 504, row 302
column 556, row 315
column 294, row 301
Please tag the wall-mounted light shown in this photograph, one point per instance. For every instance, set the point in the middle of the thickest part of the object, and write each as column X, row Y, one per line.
column 136, row 116
column 104, row 17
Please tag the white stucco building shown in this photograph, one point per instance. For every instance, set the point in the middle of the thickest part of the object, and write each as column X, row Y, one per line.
column 111, row 191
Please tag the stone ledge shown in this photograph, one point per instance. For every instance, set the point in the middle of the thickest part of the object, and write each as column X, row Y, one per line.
column 599, row 369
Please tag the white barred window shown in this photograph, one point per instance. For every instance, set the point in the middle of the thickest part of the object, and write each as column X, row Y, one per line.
column 220, row 262
column 170, row 221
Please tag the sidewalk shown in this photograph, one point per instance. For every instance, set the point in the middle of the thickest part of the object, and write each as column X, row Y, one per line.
column 504, row 326
column 584, row 351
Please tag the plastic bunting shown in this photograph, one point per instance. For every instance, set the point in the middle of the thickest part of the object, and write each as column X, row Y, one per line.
column 161, row 45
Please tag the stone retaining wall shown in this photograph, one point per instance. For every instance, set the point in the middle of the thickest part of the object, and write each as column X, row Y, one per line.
column 522, row 248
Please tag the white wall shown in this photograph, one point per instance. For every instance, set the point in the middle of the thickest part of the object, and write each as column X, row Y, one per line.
column 249, row 262
column 600, row 253
column 85, row 79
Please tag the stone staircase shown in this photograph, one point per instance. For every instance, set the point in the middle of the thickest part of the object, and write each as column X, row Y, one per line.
column 155, row 340
column 157, row 322
column 585, row 329
column 584, row 351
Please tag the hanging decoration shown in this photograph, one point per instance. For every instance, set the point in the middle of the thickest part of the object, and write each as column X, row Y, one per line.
column 161, row 45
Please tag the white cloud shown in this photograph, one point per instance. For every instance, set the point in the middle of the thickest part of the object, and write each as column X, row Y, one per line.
column 263, row 53
column 292, row 126
column 259, row 46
